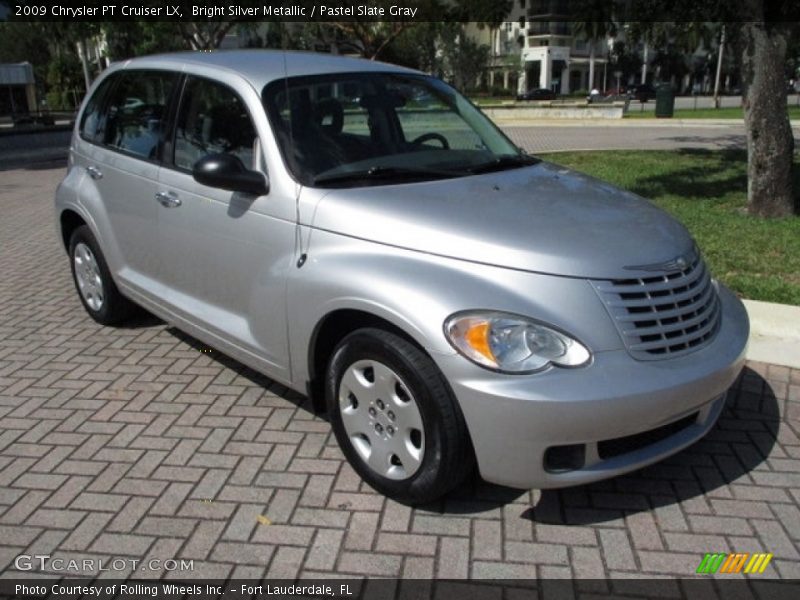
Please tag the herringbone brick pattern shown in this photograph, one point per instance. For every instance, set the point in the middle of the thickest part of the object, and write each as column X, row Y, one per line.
column 136, row 443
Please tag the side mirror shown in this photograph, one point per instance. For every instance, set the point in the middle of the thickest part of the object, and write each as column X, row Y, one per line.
column 227, row 172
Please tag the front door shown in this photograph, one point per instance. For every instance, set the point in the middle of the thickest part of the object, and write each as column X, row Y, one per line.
column 225, row 257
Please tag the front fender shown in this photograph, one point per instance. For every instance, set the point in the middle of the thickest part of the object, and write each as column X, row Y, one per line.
column 417, row 292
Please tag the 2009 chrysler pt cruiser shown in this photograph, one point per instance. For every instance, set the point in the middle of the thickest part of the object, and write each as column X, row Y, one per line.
column 362, row 233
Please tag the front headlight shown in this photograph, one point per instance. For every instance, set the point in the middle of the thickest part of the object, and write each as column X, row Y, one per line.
column 511, row 343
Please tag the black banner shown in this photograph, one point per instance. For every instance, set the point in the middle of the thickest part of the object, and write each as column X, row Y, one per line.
column 395, row 589
column 776, row 11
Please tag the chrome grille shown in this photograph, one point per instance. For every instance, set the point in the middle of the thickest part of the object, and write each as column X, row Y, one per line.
column 666, row 315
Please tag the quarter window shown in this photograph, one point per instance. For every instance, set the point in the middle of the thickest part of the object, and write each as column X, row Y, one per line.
column 212, row 119
column 93, row 119
column 137, row 113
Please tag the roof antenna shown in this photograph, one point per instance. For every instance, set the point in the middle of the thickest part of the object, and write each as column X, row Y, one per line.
column 298, row 188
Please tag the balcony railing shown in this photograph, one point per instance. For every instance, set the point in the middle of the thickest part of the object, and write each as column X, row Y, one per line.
column 550, row 28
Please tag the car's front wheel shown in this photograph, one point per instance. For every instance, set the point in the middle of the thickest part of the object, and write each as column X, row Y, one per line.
column 96, row 289
column 395, row 417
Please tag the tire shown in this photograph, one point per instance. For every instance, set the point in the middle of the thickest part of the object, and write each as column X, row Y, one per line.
column 93, row 282
column 405, row 435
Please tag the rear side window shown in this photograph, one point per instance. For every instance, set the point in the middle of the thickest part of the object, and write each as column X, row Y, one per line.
column 212, row 119
column 137, row 112
column 93, row 119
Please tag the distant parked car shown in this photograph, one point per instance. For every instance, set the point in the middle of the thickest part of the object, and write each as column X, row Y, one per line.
column 21, row 119
column 616, row 92
column 538, row 94
column 643, row 92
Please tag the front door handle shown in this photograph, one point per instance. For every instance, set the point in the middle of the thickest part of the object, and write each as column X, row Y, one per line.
column 94, row 172
column 168, row 199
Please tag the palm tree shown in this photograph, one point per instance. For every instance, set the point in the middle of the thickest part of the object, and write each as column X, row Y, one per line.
column 596, row 24
column 487, row 13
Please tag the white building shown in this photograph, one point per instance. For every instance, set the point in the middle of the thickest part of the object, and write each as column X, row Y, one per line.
column 537, row 48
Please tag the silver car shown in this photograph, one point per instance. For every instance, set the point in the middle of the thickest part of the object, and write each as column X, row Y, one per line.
column 362, row 233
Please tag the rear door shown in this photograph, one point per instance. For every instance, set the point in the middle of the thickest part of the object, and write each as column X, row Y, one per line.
column 225, row 254
column 119, row 148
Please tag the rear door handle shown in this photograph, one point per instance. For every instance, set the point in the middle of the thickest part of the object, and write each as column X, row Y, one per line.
column 94, row 172
column 168, row 199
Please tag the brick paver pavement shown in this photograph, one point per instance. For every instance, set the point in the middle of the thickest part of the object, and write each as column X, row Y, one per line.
column 136, row 443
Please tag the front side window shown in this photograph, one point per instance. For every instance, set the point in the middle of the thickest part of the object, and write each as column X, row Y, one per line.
column 212, row 119
column 137, row 113
column 373, row 128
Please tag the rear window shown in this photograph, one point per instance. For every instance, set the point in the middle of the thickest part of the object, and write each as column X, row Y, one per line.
column 136, row 113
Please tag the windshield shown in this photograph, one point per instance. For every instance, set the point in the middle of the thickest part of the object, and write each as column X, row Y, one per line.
column 352, row 129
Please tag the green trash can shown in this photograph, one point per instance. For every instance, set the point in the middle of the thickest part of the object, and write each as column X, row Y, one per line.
column 665, row 101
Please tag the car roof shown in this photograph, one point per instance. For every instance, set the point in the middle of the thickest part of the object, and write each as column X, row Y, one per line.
column 260, row 67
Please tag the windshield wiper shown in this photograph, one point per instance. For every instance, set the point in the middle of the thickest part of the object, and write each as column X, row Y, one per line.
column 506, row 161
column 384, row 173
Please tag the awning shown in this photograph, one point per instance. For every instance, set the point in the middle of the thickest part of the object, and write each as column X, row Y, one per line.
column 16, row 74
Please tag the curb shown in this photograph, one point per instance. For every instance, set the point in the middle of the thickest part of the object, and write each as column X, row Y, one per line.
column 774, row 333
column 626, row 122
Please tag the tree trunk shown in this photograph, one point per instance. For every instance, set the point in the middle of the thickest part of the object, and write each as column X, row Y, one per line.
column 770, row 143
column 591, row 64
column 644, row 63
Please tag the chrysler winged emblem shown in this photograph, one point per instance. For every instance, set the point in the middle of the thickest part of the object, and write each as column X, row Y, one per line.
column 679, row 263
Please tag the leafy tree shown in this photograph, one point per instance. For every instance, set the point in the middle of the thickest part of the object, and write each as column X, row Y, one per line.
column 761, row 31
column 770, row 142
column 138, row 38
column 462, row 59
column 51, row 48
column 370, row 38
column 22, row 41
column 625, row 59
column 487, row 13
column 206, row 35
column 64, row 77
column 418, row 48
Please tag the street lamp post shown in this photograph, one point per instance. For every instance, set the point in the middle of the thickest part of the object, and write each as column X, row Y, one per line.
column 84, row 63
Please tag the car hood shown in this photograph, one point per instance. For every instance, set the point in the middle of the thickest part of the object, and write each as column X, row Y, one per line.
column 543, row 218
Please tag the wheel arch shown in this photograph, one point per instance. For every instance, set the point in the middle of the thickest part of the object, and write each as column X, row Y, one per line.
column 69, row 221
column 328, row 332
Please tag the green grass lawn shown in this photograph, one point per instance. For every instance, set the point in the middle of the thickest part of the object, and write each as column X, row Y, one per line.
column 635, row 112
column 706, row 190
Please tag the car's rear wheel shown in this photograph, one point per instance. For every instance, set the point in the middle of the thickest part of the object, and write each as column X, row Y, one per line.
column 395, row 417
column 96, row 289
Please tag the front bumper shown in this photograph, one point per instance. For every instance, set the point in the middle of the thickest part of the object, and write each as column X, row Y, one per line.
column 513, row 420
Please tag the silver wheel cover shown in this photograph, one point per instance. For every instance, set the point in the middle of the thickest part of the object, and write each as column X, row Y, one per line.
column 87, row 274
column 382, row 419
